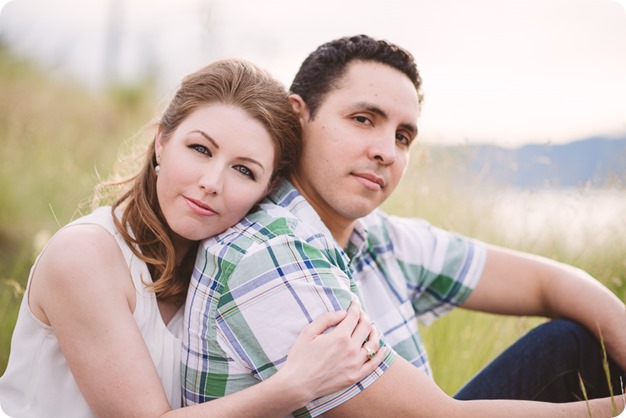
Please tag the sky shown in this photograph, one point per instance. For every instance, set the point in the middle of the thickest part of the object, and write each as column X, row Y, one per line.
column 505, row 72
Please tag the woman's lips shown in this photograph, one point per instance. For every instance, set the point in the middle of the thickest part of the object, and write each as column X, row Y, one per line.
column 199, row 207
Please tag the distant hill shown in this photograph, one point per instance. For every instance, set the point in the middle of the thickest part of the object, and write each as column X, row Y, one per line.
column 596, row 161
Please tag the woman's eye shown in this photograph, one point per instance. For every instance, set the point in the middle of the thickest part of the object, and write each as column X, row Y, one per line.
column 201, row 149
column 245, row 171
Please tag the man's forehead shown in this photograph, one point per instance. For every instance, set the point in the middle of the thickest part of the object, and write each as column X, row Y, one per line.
column 373, row 79
column 368, row 71
column 379, row 89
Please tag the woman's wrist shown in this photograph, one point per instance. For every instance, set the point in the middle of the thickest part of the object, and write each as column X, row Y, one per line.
column 294, row 393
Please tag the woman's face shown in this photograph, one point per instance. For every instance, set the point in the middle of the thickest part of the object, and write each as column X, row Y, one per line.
column 215, row 167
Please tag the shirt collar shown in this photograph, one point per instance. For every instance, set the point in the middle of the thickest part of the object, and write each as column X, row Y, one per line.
column 287, row 196
column 358, row 240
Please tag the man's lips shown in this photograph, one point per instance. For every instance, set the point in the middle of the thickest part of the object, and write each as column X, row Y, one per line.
column 370, row 180
column 199, row 207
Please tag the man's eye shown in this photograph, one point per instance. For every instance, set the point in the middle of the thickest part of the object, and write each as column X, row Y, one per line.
column 404, row 140
column 362, row 119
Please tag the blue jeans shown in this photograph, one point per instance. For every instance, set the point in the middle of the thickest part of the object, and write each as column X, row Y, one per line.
column 544, row 365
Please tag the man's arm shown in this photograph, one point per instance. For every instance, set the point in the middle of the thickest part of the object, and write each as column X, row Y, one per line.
column 404, row 391
column 246, row 309
column 515, row 283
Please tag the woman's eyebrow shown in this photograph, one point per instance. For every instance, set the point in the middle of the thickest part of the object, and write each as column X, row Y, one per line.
column 253, row 161
column 212, row 141
column 206, row 136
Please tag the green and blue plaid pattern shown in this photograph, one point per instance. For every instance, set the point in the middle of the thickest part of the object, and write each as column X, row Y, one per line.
column 255, row 286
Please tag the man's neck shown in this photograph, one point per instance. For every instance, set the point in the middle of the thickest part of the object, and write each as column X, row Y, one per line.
column 340, row 227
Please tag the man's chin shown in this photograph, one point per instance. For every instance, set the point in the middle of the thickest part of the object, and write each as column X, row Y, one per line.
column 357, row 211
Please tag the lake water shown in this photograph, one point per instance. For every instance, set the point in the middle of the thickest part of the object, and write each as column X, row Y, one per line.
column 577, row 218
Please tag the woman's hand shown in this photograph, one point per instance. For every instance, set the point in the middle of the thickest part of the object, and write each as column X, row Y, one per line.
column 321, row 363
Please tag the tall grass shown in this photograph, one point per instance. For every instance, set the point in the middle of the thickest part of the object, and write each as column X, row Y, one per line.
column 58, row 140
column 462, row 342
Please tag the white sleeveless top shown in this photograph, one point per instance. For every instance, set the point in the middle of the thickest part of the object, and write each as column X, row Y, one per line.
column 38, row 382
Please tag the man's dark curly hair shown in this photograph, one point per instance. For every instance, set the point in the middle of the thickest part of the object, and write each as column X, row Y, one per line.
column 323, row 69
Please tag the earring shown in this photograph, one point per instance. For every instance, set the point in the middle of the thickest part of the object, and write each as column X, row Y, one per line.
column 157, row 167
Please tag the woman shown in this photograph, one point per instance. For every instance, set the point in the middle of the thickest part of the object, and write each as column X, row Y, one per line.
column 98, row 333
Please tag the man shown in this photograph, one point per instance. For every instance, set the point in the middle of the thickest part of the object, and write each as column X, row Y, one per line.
column 319, row 240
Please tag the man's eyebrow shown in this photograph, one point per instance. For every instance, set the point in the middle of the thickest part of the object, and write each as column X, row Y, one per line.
column 212, row 141
column 411, row 128
column 360, row 106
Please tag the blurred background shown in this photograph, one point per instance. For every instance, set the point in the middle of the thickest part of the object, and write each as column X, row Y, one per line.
column 522, row 133
column 510, row 72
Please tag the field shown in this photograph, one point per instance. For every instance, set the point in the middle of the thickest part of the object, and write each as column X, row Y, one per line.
column 59, row 140
column 462, row 342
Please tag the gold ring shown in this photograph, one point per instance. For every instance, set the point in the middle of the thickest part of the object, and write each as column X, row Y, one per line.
column 370, row 353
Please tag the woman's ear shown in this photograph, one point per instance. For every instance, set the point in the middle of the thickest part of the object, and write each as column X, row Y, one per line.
column 271, row 186
column 158, row 145
column 300, row 107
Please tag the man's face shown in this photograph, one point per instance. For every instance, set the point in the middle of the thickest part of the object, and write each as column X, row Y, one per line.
column 356, row 148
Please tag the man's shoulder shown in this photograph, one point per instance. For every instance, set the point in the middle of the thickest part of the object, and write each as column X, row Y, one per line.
column 269, row 238
column 267, row 225
column 263, row 223
column 390, row 231
column 380, row 219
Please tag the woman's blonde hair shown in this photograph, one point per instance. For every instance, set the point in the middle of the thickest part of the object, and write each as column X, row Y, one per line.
column 232, row 82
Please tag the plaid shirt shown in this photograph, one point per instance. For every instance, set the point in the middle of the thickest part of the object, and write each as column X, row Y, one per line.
column 255, row 286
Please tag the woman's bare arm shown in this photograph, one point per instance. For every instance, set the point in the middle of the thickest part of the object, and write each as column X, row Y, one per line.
column 83, row 289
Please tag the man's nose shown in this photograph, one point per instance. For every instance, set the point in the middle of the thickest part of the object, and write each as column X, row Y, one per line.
column 383, row 150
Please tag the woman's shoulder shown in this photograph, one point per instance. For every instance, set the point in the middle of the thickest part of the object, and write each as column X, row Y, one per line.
column 87, row 241
column 81, row 260
column 80, row 242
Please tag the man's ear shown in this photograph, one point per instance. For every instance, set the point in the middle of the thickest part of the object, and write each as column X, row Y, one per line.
column 300, row 107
